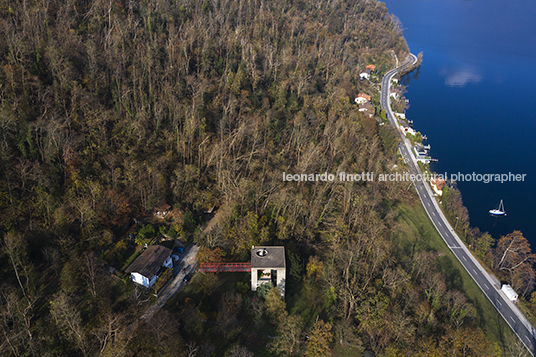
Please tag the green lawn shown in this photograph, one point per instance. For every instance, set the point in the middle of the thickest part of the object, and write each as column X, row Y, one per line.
column 417, row 233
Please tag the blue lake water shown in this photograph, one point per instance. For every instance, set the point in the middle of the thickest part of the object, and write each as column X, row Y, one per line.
column 475, row 98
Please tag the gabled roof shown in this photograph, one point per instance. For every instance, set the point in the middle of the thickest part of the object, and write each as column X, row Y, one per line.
column 162, row 207
column 438, row 182
column 366, row 107
column 148, row 263
column 268, row 257
column 363, row 95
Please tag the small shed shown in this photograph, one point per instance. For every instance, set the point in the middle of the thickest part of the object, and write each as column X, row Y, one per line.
column 509, row 292
column 148, row 266
column 268, row 266
column 367, row 109
column 161, row 210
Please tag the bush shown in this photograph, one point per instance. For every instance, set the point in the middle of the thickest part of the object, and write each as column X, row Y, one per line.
column 146, row 232
column 163, row 280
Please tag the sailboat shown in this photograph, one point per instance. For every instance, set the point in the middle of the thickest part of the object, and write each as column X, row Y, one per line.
column 499, row 211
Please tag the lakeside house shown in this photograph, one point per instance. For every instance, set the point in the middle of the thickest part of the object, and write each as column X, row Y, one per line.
column 437, row 184
column 150, row 265
column 421, row 153
column 268, row 267
column 408, row 130
column 393, row 92
column 362, row 98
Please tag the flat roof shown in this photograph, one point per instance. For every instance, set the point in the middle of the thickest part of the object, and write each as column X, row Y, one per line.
column 148, row 263
column 268, row 257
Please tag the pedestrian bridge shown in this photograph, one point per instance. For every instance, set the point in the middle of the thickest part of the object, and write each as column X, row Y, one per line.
column 224, row 267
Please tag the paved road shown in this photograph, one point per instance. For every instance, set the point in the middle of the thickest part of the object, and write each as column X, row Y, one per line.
column 189, row 261
column 511, row 314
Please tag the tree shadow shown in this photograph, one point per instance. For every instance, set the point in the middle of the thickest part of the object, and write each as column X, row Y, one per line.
column 453, row 276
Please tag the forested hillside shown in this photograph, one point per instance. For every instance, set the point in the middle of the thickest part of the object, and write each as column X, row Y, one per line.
column 108, row 108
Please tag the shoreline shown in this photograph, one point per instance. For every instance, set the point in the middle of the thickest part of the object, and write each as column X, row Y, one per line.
column 519, row 323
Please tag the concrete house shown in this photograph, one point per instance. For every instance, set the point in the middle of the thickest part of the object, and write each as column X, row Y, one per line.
column 268, row 266
column 150, row 264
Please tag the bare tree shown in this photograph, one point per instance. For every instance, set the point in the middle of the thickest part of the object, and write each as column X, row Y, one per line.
column 68, row 319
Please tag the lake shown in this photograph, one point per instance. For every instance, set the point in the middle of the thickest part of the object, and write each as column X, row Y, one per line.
column 475, row 98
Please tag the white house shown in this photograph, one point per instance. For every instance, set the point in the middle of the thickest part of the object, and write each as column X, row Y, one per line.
column 393, row 93
column 408, row 130
column 421, row 153
column 268, row 266
column 509, row 292
column 401, row 115
column 362, row 98
column 150, row 264
column 365, row 74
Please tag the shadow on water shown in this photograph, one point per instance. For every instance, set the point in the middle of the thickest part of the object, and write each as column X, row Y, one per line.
column 412, row 76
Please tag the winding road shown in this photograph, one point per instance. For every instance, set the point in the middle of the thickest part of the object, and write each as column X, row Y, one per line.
column 511, row 314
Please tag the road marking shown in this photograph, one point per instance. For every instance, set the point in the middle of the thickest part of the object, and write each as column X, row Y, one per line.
column 428, row 203
column 511, row 318
column 475, row 271
column 433, row 213
column 486, row 286
column 499, row 301
column 464, row 258
column 528, row 339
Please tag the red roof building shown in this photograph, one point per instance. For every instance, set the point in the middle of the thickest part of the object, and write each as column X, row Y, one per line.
column 365, row 96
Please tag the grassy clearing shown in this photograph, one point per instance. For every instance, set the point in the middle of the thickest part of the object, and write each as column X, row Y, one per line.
column 418, row 233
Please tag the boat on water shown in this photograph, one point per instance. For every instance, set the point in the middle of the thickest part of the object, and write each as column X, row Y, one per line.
column 499, row 211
